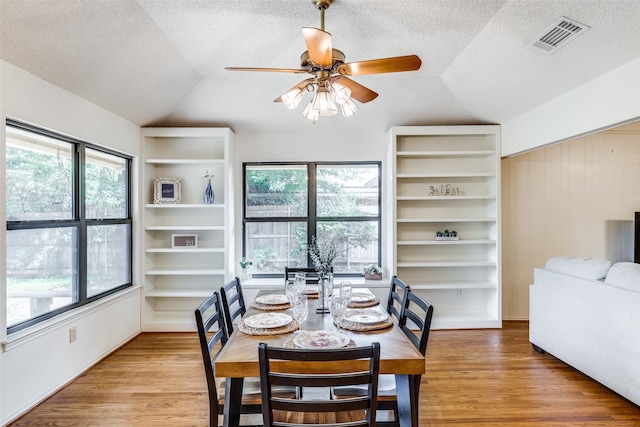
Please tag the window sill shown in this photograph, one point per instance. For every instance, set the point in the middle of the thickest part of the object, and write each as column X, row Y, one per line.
column 26, row 335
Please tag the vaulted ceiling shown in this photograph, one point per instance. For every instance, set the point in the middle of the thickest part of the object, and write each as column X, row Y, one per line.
column 162, row 62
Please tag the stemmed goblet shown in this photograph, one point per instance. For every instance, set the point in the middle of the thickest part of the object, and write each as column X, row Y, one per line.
column 300, row 281
column 300, row 309
column 291, row 290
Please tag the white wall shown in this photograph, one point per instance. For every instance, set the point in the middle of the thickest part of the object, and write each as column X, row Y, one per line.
column 37, row 361
column 608, row 101
column 577, row 198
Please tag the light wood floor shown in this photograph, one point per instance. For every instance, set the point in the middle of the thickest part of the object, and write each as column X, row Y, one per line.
column 474, row 377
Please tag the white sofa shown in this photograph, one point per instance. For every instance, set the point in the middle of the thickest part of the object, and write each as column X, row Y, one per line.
column 586, row 312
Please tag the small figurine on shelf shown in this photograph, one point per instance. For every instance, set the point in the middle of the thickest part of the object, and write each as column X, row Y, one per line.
column 247, row 267
column 209, row 196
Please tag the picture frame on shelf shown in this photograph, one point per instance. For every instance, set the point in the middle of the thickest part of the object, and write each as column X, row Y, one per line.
column 167, row 191
column 184, row 240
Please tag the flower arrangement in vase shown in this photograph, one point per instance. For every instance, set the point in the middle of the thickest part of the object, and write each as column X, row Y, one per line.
column 247, row 273
column 322, row 254
column 373, row 272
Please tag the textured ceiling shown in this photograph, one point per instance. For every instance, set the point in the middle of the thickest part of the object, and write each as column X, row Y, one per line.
column 162, row 62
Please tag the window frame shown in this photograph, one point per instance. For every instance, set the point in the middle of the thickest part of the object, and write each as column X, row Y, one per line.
column 312, row 219
column 78, row 221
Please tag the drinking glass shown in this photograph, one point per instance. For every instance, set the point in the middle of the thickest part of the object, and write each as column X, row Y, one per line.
column 338, row 309
column 346, row 292
column 300, row 309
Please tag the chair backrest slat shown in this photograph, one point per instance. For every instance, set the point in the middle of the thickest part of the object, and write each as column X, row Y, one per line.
column 277, row 374
column 233, row 303
column 420, row 312
column 212, row 336
column 311, row 274
column 396, row 300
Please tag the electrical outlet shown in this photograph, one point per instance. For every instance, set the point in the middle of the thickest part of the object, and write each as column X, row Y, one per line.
column 459, row 292
column 73, row 334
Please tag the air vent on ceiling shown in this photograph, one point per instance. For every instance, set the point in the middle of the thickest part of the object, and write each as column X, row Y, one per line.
column 559, row 34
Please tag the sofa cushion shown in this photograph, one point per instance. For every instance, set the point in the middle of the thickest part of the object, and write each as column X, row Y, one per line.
column 586, row 268
column 624, row 275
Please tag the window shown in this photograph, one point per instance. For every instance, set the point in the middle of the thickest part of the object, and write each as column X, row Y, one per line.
column 285, row 204
column 68, row 224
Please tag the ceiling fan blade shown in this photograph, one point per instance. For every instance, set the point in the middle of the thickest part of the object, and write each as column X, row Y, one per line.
column 319, row 45
column 300, row 85
column 271, row 70
column 358, row 92
column 382, row 65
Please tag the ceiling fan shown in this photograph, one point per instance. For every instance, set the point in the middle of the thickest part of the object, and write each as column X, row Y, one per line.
column 329, row 74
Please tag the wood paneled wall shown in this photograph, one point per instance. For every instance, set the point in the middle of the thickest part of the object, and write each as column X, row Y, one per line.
column 576, row 198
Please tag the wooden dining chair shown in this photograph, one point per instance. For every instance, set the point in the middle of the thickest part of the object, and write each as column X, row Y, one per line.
column 415, row 322
column 359, row 411
column 212, row 334
column 233, row 302
column 396, row 300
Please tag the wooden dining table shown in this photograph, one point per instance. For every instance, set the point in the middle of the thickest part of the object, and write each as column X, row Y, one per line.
column 239, row 359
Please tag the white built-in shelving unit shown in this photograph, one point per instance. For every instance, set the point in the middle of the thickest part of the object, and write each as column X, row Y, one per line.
column 460, row 278
column 176, row 280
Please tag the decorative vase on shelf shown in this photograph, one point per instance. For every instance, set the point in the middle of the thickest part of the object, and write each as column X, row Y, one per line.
column 209, row 196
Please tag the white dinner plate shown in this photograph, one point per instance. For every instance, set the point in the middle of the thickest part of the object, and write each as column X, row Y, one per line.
column 275, row 299
column 268, row 320
column 362, row 296
column 321, row 339
column 310, row 290
column 365, row 316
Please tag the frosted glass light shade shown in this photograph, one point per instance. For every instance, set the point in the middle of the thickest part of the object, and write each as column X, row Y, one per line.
column 349, row 108
column 324, row 103
column 310, row 114
column 341, row 93
column 292, row 98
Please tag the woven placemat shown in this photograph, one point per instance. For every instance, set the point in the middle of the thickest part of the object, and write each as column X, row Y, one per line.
column 288, row 343
column 362, row 327
column 293, row 326
column 364, row 304
column 270, row 307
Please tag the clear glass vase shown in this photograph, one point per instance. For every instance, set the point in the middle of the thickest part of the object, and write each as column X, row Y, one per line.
column 325, row 285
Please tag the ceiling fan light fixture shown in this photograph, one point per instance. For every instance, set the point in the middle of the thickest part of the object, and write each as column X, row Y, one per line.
column 327, row 66
column 341, row 93
column 324, row 102
column 349, row 108
column 310, row 114
column 292, row 98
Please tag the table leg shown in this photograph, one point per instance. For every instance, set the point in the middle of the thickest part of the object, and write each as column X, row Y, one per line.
column 407, row 401
column 233, row 402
